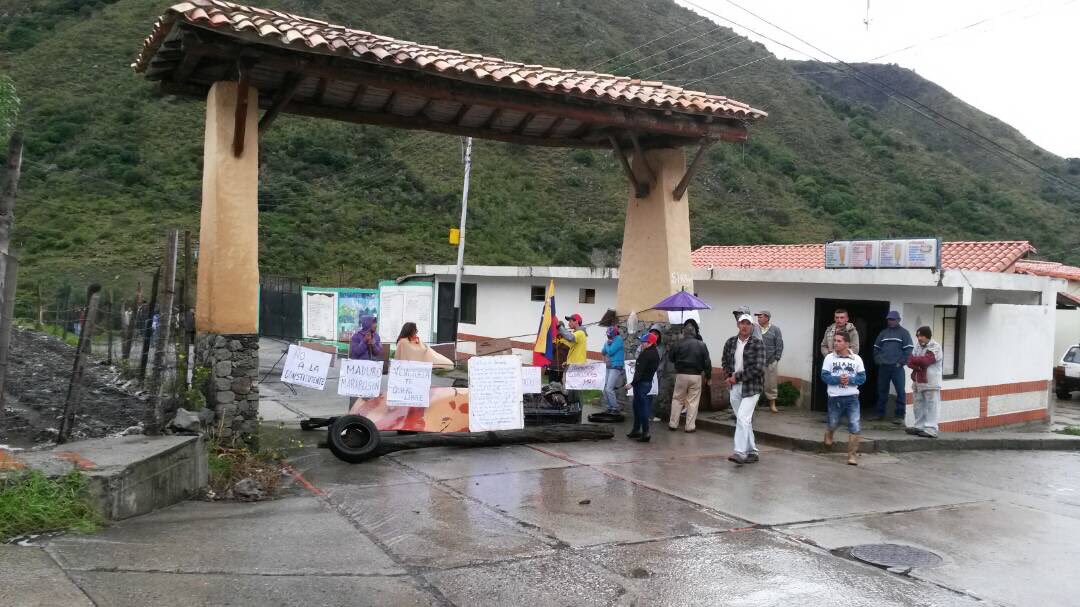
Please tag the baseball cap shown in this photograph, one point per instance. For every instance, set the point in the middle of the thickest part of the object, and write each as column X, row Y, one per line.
column 892, row 315
column 746, row 317
column 576, row 317
column 765, row 313
column 648, row 338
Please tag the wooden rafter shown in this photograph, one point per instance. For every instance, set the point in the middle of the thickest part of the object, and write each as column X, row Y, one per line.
column 554, row 126
column 464, row 109
column 641, row 190
column 187, row 66
column 523, row 123
column 281, row 100
column 243, row 67
column 320, row 90
column 490, row 120
column 424, row 108
column 357, row 95
column 649, row 174
column 389, row 102
column 680, row 189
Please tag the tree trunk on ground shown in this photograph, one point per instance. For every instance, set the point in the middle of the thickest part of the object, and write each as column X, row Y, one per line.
column 555, row 433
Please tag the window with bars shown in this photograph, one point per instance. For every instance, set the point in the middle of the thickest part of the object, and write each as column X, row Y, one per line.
column 587, row 296
column 949, row 332
column 538, row 293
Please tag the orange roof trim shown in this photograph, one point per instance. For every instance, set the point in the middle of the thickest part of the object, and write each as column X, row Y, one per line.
column 1051, row 269
column 990, row 256
column 304, row 34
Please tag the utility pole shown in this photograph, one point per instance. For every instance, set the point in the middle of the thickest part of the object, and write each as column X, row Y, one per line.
column 461, row 241
column 8, row 263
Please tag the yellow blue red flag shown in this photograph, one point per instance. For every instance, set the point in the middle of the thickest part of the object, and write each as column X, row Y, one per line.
column 544, row 349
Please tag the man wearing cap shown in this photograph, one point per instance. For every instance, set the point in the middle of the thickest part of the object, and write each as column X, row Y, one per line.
column 774, row 349
column 744, row 363
column 690, row 357
column 891, row 351
column 575, row 339
column 741, row 310
column 648, row 361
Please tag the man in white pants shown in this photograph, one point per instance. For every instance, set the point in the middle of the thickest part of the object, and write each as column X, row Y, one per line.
column 744, row 363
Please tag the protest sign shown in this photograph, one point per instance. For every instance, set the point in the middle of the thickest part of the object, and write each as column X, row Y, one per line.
column 495, row 393
column 409, row 383
column 630, row 365
column 589, row 376
column 530, row 380
column 360, row 378
column 306, row 367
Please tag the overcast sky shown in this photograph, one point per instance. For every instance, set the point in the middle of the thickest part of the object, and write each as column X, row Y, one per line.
column 1021, row 65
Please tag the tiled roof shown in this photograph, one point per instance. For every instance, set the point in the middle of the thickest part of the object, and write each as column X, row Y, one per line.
column 991, row 256
column 301, row 33
column 1052, row 269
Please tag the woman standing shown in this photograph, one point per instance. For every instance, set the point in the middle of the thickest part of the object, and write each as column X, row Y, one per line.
column 647, row 363
column 615, row 355
column 410, row 347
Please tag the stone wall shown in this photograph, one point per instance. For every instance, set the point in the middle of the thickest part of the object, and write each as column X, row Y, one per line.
column 712, row 399
column 232, row 390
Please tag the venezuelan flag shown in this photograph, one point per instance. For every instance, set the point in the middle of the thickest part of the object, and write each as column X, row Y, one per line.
column 544, row 349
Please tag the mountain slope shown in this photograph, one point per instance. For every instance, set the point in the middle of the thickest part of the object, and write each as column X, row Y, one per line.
column 110, row 164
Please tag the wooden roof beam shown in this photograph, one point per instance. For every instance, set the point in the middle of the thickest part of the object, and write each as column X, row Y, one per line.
column 523, row 124
column 320, row 90
column 281, row 100
column 554, row 126
column 243, row 67
column 680, row 189
column 641, row 190
column 650, row 175
column 357, row 95
column 464, row 109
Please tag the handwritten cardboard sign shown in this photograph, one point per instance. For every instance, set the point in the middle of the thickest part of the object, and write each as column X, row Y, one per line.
column 630, row 366
column 589, row 376
column 530, row 380
column 360, row 378
column 306, row 367
column 409, row 383
column 495, row 401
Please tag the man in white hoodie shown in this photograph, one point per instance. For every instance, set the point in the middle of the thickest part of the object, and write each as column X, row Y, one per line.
column 925, row 364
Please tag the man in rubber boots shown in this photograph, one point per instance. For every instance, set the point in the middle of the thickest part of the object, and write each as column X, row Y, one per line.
column 843, row 372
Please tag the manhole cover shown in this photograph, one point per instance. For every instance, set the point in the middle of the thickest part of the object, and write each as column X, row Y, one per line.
column 895, row 555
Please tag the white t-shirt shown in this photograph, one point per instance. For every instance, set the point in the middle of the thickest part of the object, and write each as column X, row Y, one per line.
column 835, row 365
column 740, row 345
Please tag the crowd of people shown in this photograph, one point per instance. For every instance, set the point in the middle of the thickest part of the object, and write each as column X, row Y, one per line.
column 749, row 364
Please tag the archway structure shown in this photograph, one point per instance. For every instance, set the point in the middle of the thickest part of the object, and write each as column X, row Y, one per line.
column 242, row 59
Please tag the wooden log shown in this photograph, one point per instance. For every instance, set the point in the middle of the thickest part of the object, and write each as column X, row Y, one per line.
column 7, row 318
column 555, row 433
column 10, row 190
column 148, row 330
column 129, row 331
column 155, row 412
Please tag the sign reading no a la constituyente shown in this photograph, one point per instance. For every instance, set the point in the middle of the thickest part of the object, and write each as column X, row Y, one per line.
column 306, row 367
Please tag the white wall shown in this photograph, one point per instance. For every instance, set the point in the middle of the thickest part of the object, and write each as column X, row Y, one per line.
column 1006, row 344
column 1067, row 332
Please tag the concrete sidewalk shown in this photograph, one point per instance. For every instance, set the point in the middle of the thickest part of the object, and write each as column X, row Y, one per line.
column 793, row 429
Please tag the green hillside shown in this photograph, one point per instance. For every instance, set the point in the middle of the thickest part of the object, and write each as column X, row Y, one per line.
column 110, row 164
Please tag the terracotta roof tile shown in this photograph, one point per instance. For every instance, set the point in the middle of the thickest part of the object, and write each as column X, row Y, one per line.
column 1052, row 269
column 990, row 256
column 284, row 29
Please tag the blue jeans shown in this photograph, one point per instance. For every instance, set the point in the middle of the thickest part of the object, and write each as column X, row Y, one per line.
column 642, row 407
column 616, row 378
column 890, row 374
column 844, row 406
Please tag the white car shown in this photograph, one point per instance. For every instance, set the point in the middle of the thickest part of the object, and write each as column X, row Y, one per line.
column 1067, row 373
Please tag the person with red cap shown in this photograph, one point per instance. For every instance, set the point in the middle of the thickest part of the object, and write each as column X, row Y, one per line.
column 574, row 338
column 648, row 361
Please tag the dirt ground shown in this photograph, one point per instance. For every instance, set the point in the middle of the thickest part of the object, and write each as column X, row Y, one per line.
column 39, row 371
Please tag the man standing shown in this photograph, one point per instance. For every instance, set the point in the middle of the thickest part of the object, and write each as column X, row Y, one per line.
column 575, row 339
column 746, row 310
column 925, row 363
column 648, row 361
column 843, row 372
column 891, row 350
column 774, row 349
column 744, row 363
column 690, row 357
column 840, row 323
column 614, row 354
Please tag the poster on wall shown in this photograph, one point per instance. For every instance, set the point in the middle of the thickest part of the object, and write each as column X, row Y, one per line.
column 319, row 314
column 923, row 253
column 399, row 304
column 864, row 254
column 837, row 254
column 891, row 253
column 908, row 253
column 351, row 305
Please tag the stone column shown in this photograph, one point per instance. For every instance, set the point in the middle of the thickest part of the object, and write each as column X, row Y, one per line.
column 226, row 311
column 656, row 238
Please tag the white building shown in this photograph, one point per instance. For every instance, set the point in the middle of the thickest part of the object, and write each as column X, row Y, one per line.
column 997, row 326
column 1067, row 324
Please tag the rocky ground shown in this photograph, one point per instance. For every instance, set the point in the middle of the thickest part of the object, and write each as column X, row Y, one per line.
column 39, row 371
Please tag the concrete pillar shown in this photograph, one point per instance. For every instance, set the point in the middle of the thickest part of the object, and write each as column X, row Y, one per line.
column 656, row 238
column 228, row 277
column 227, row 305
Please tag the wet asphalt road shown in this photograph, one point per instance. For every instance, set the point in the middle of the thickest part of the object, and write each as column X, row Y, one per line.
column 599, row 523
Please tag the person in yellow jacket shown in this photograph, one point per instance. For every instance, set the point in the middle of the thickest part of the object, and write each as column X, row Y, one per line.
column 574, row 338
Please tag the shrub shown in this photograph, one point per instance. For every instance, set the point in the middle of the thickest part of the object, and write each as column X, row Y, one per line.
column 786, row 394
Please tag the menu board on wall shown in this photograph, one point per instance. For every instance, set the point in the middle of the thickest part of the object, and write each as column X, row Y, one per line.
column 910, row 253
column 399, row 304
column 320, row 314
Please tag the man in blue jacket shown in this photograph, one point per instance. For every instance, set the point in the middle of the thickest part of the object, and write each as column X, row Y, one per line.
column 891, row 350
column 615, row 354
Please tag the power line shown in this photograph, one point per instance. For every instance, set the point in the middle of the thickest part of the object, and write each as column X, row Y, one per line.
column 737, row 67
column 705, row 48
column 657, row 39
column 672, row 47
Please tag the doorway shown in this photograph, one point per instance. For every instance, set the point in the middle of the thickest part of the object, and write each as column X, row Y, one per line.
column 444, row 324
column 869, row 319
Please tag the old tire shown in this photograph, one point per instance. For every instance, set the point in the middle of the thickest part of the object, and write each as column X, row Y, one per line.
column 1064, row 394
column 353, row 438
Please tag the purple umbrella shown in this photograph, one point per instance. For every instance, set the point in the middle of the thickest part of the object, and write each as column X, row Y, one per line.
column 682, row 301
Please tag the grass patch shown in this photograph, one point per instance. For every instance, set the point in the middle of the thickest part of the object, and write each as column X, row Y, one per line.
column 1071, row 430
column 234, row 461
column 33, row 503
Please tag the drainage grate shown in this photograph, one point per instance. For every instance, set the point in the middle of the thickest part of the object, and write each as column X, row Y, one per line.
column 895, row 555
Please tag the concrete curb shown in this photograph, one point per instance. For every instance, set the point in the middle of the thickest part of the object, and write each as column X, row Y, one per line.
column 128, row 475
column 948, row 442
